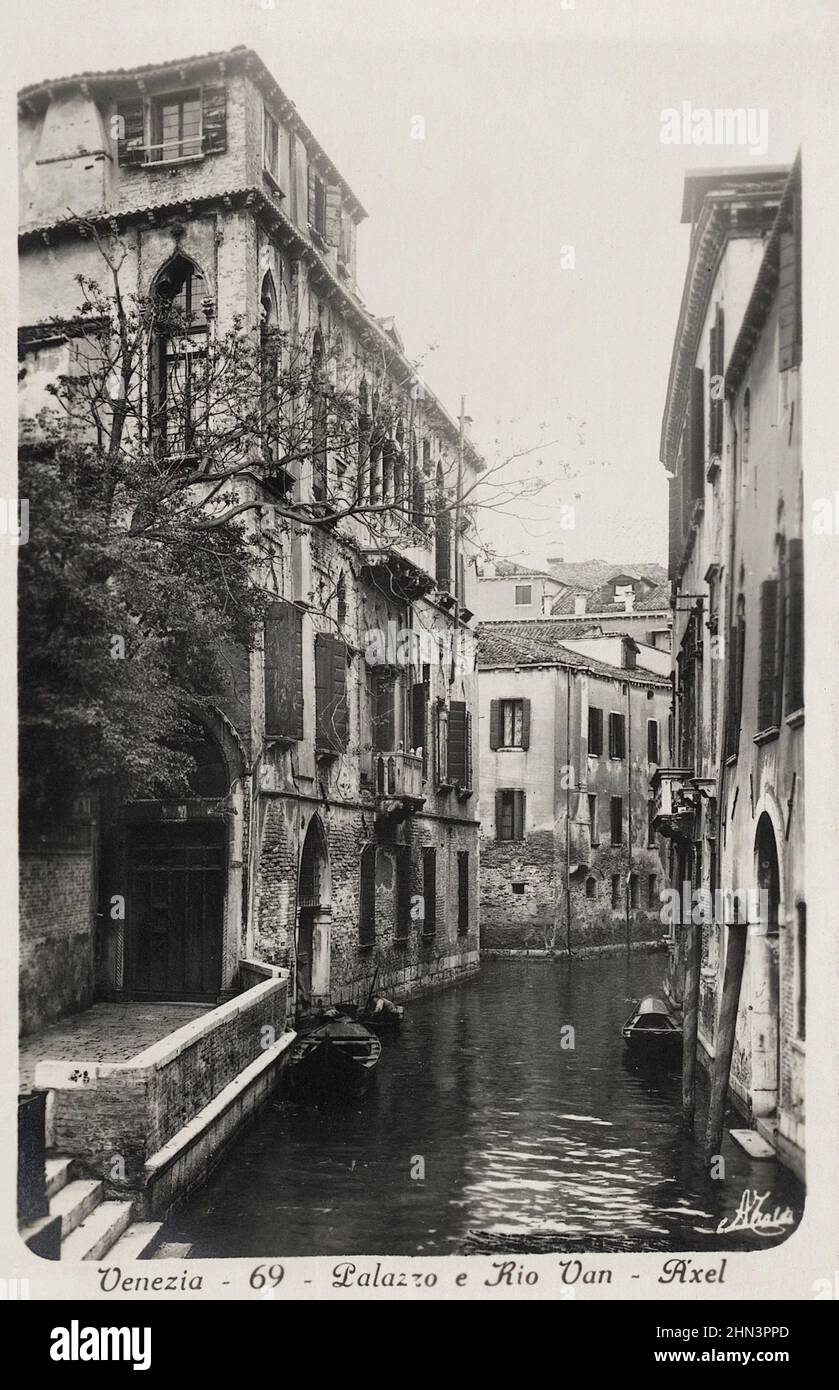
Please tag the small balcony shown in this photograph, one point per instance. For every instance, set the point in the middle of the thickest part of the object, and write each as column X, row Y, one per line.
column 398, row 784
column 676, row 798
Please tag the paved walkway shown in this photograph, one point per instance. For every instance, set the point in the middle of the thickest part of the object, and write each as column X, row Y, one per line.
column 104, row 1033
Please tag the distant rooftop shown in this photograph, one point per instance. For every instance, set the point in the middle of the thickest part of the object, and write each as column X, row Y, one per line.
column 535, row 642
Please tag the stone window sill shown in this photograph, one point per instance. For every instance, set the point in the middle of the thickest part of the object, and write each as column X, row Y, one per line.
column 767, row 735
column 796, row 719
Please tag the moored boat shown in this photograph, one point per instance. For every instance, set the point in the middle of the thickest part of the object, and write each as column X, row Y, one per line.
column 338, row 1058
column 651, row 1030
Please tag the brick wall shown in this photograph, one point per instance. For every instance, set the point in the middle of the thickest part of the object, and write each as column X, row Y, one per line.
column 56, row 936
column 104, row 1112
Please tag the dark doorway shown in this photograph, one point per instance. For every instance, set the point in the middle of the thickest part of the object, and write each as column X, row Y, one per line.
column 175, row 910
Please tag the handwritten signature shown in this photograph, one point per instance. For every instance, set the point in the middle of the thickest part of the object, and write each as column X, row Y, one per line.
column 750, row 1216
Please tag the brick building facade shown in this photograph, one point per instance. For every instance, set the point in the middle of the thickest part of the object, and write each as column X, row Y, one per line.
column 335, row 831
column 567, row 744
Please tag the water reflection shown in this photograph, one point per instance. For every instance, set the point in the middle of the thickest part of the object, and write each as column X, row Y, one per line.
column 482, row 1131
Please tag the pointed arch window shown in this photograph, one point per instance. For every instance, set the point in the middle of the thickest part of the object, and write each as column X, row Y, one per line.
column 179, row 357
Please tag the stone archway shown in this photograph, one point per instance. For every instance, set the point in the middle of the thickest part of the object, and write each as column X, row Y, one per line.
column 313, row 935
column 764, row 971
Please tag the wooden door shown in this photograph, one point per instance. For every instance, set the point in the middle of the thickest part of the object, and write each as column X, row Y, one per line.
column 176, row 910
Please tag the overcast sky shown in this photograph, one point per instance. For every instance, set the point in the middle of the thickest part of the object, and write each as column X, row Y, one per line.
column 542, row 131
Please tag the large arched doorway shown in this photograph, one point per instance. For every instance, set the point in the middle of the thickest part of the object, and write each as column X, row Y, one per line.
column 314, row 918
column 765, row 972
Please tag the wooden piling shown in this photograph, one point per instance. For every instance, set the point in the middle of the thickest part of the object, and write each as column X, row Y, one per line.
column 690, row 1020
column 735, row 955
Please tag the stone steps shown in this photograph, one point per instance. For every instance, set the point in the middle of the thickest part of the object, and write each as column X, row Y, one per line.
column 135, row 1241
column 75, row 1201
column 99, row 1232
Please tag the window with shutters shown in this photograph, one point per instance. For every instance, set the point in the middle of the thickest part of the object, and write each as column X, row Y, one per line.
column 524, row 595
column 633, row 890
column 429, row 892
column 616, row 890
column 735, row 658
column 330, row 694
column 617, row 736
column 175, row 126
column 652, row 741
column 512, row 718
column 509, row 814
column 462, row 892
column 367, row 897
column 442, row 537
column 283, row 671
column 460, row 750
column 592, row 820
column 384, row 687
column 270, row 146
column 794, row 653
column 651, row 824
column 595, row 732
column 767, row 694
column 317, row 205
column 441, row 745
column 616, row 819
column 419, row 721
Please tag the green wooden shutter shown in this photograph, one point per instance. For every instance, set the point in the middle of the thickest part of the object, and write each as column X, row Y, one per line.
column 768, row 636
column 499, row 814
column 330, row 694
column 525, row 723
column 443, row 546
column 795, row 626
column 518, row 815
column 214, row 118
column 132, row 139
column 429, row 891
column 495, row 723
column 284, row 671
column 457, row 743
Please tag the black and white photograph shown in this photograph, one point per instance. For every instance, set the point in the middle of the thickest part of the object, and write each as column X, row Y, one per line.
column 415, row 521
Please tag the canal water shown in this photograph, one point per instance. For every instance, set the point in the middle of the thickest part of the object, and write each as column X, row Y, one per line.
column 483, row 1132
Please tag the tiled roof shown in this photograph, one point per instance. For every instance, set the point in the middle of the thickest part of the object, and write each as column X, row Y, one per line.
column 656, row 600
column 593, row 574
column 38, row 93
column 534, row 642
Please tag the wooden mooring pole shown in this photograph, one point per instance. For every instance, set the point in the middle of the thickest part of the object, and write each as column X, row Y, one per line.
column 735, row 955
column 690, row 1020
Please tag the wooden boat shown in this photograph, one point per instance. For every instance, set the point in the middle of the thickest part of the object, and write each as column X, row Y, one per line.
column 652, row 1031
column 382, row 1013
column 339, row 1058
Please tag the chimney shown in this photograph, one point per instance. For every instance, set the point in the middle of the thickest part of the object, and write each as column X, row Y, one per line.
column 629, row 601
column 579, row 604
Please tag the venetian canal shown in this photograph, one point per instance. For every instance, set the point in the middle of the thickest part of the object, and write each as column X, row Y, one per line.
column 482, row 1132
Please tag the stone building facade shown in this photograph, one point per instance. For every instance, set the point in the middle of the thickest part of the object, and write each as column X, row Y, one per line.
column 335, row 829
column 732, row 803
column 567, row 746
